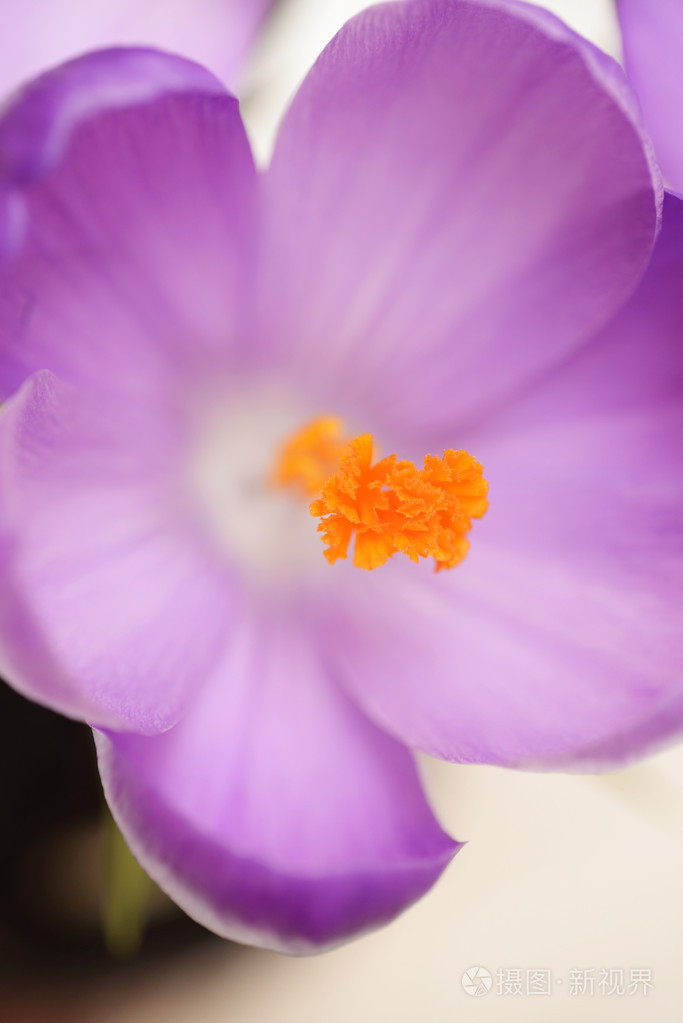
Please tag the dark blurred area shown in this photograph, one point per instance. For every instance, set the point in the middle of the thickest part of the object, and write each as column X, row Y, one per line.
column 58, row 860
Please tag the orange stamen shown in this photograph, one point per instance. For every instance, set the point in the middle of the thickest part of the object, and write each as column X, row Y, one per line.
column 311, row 456
column 388, row 507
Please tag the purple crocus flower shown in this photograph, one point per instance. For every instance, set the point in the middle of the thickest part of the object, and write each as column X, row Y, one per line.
column 40, row 33
column 447, row 250
column 652, row 33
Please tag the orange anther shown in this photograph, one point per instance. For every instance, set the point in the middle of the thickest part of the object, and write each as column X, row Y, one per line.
column 388, row 507
column 394, row 506
column 311, row 456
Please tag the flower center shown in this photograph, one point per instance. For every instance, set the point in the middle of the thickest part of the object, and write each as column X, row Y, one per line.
column 389, row 507
column 264, row 530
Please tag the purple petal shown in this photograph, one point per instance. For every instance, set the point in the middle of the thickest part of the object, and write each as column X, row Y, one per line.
column 41, row 33
column 133, row 177
column 558, row 640
column 652, row 33
column 111, row 608
column 274, row 812
column 460, row 196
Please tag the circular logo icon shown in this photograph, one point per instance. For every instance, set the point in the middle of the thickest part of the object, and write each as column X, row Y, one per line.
column 477, row 981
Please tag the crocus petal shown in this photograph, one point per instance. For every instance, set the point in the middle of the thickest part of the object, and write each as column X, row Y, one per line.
column 558, row 640
column 111, row 609
column 274, row 812
column 652, row 33
column 133, row 179
column 460, row 195
column 216, row 33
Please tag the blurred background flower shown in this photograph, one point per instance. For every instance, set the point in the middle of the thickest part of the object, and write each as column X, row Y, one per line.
column 40, row 33
column 652, row 34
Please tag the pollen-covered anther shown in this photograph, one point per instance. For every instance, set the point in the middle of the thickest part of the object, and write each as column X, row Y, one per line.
column 311, row 456
column 395, row 507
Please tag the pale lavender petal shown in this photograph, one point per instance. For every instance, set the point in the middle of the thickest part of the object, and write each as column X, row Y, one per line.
column 558, row 640
column 133, row 179
column 460, row 195
column 652, row 33
column 40, row 33
column 274, row 812
column 112, row 609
